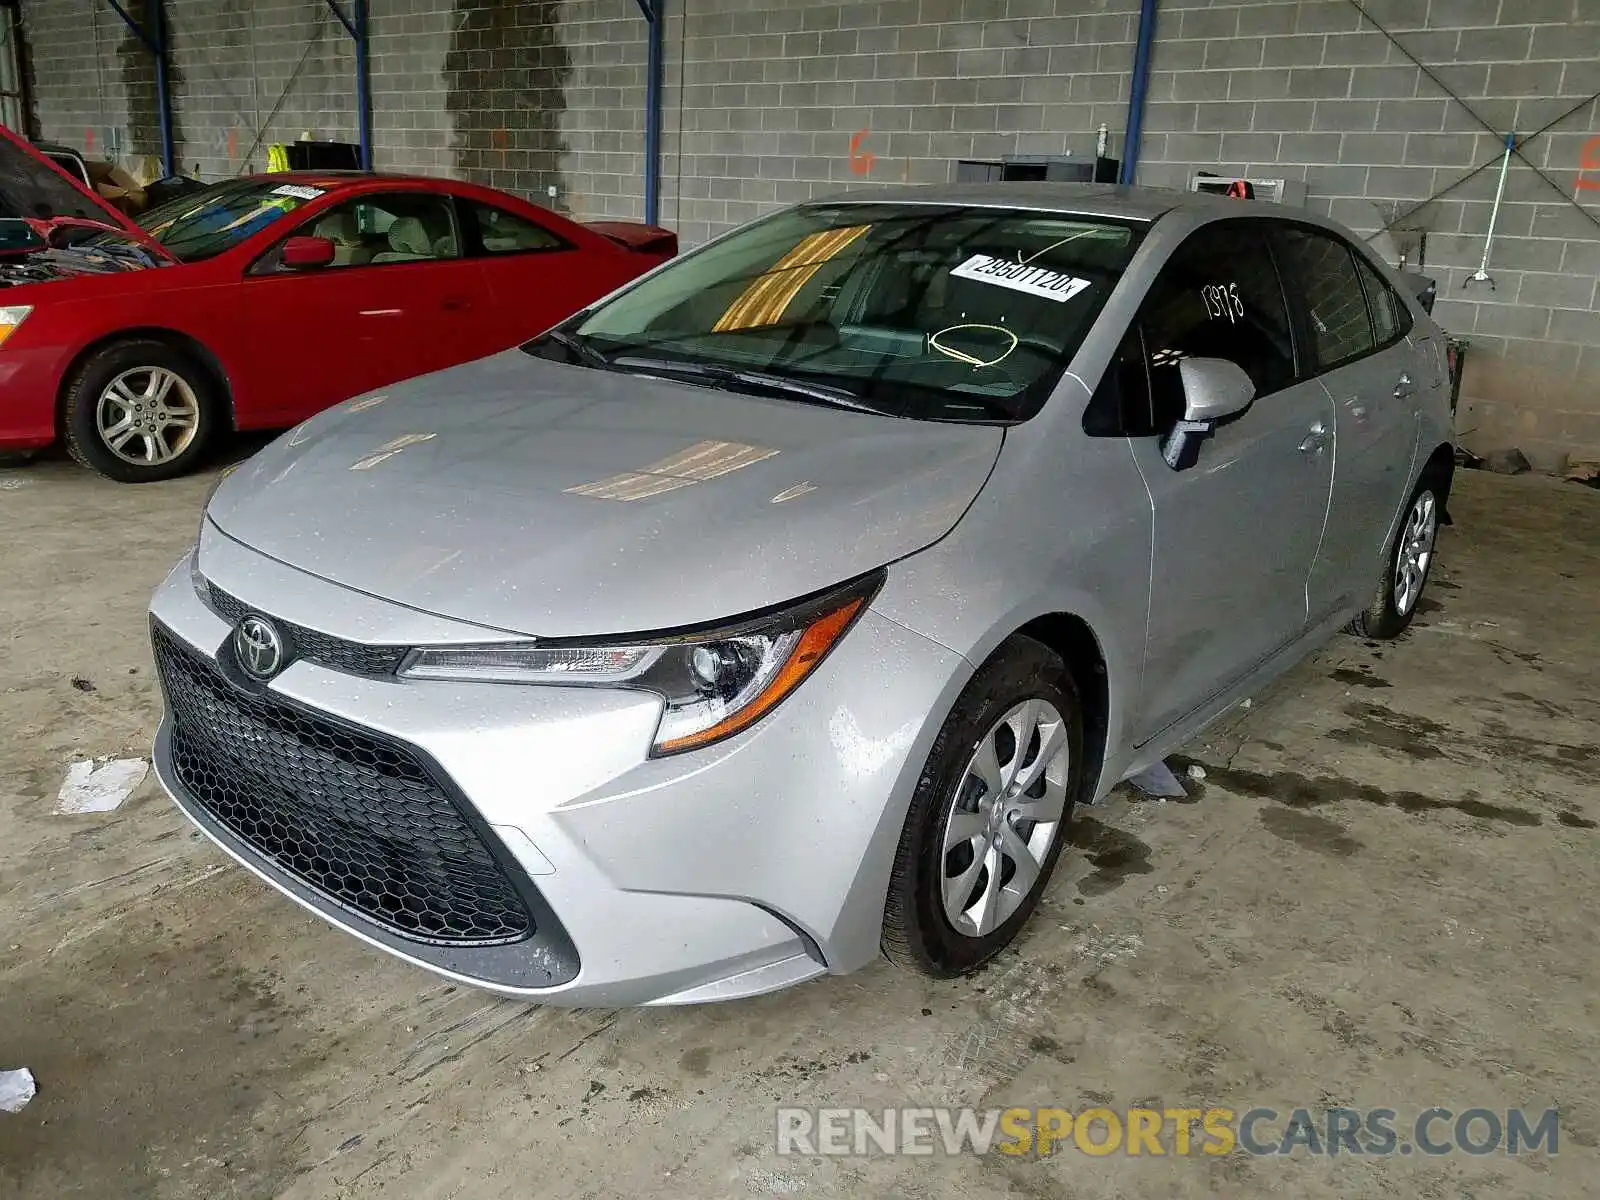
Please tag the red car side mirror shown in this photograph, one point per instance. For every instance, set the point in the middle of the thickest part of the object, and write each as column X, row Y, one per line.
column 304, row 253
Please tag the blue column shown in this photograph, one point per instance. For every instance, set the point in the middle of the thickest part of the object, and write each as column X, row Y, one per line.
column 1136, row 94
column 655, row 67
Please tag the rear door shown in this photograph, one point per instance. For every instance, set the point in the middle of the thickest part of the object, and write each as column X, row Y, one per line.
column 400, row 299
column 1236, row 534
column 1355, row 329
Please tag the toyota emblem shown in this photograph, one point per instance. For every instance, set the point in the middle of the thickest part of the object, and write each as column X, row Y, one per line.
column 258, row 646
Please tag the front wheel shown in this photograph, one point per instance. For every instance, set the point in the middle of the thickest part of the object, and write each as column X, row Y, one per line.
column 139, row 411
column 1405, row 574
column 989, row 814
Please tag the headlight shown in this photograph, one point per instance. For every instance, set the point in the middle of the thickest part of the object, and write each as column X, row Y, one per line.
column 715, row 682
column 11, row 319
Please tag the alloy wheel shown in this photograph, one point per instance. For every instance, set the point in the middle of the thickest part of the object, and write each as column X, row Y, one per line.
column 1004, row 818
column 147, row 416
column 1415, row 552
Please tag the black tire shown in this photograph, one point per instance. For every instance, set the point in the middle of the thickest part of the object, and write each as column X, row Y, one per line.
column 917, row 933
column 1384, row 619
column 80, row 415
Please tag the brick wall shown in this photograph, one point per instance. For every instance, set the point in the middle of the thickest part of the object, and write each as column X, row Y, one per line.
column 764, row 98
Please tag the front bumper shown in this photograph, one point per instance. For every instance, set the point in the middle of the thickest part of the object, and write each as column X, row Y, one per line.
column 746, row 867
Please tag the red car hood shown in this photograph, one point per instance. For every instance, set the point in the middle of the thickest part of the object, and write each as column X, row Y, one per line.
column 34, row 188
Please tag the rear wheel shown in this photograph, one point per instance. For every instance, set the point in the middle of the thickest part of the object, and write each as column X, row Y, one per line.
column 1408, row 562
column 989, row 815
column 139, row 411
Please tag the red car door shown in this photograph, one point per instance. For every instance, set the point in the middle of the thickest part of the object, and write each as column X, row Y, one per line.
column 400, row 299
column 537, row 276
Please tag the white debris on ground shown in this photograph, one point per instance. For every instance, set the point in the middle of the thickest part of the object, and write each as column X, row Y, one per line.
column 1158, row 781
column 99, row 785
column 1196, row 771
column 16, row 1089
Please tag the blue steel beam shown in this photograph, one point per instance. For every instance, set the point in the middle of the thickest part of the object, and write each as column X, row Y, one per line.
column 655, row 24
column 357, row 26
column 1136, row 94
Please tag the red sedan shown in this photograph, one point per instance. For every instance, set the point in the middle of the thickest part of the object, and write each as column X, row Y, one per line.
column 263, row 300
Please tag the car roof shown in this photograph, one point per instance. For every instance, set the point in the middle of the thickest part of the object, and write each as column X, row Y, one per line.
column 1083, row 199
column 333, row 180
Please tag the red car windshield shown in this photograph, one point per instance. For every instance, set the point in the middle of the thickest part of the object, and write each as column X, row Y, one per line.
column 205, row 224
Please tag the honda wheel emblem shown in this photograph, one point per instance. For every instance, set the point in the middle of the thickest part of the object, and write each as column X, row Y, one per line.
column 258, row 646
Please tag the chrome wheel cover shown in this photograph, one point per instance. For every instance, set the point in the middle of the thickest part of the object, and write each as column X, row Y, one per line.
column 147, row 416
column 1415, row 552
column 1004, row 818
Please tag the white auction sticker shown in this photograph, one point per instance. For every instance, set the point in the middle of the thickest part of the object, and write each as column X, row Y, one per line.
column 1021, row 277
column 297, row 190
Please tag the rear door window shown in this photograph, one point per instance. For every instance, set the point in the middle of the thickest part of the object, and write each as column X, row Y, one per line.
column 500, row 232
column 1390, row 319
column 1322, row 270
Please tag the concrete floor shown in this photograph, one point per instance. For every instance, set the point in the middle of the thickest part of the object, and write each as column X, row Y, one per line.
column 1385, row 895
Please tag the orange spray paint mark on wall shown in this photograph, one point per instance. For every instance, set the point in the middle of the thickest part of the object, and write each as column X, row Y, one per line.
column 1588, row 164
column 861, row 160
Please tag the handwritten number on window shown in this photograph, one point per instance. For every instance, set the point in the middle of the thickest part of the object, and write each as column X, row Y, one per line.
column 1222, row 301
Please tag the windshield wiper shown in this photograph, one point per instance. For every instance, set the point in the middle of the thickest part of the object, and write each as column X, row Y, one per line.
column 820, row 392
column 580, row 348
column 723, row 377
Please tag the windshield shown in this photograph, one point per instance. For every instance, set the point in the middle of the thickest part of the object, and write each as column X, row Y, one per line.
column 17, row 235
column 204, row 224
column 939, row 313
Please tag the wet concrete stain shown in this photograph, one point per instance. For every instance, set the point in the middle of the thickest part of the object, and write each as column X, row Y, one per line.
column 1358, row 678
column 154, row 1056
column 1042, row 1044
column 1573, row 821
column 1114, row 854
column 1508, row 656
column 138, row 75
column 1309, row 831
column 696, row 1062
column 1294, row 790
column 1547, row 707
column 1499, row 740
column 1375, row 725
column 505, row 76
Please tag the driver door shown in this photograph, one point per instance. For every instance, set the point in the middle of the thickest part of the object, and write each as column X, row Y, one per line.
column 1236, row 534
column 398, row 300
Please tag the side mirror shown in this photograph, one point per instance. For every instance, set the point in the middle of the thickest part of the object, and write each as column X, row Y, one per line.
column 1424, row 287
column 306, row 253
column 1213, row 390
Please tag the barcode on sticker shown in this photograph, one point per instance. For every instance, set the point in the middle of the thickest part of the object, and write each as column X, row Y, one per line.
column 1021, row 277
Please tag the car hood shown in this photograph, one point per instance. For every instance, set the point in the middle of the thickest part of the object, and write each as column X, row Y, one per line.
column 33, row 186
column 561, row 501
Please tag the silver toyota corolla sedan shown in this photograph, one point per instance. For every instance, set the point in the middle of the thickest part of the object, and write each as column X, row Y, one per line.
column 774, row 612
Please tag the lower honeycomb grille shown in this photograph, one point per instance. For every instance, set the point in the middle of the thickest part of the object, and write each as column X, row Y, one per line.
column 357, row 817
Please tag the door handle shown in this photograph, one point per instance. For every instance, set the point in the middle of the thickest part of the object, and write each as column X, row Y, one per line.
column 456, row 303
column 1316, row 441
column 1402, row 387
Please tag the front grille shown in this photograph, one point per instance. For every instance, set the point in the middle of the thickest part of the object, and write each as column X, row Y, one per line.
column 357, row 817
column 311, row 644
